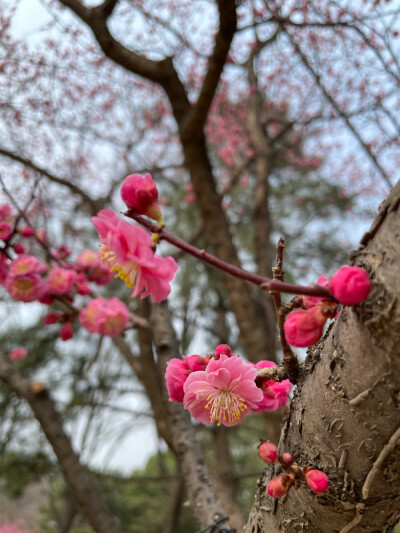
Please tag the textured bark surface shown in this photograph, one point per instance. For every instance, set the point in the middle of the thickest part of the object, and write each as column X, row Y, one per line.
column 345, row 415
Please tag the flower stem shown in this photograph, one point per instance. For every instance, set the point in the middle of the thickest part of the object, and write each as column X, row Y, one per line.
column 263, row 282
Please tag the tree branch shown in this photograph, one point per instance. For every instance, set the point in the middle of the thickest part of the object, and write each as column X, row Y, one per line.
column 94, row 206
column 227, row 28
column 86, row 493
column 336, row 106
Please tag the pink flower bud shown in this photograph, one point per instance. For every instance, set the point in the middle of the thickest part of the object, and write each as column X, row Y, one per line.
column 66, row 332
column 350, row 285
column 317, row 481
column 18, row 354
column 268, row 452
column 225, row 349
column 52, row 318
column 141, row 195
column 19, row 248
column 286, row 459
column 26, row 231
column 5, row 231
column 279, row 486
column 304, row 327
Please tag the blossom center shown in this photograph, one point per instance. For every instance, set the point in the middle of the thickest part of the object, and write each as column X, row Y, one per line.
column 225, row 405
column 127, row 273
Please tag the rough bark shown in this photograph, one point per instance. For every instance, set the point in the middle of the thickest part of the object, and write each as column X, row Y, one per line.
column 345, row 417
column 86, row 494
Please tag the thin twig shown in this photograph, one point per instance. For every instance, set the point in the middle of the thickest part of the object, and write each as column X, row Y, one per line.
column 290, row 360
column 261, row 281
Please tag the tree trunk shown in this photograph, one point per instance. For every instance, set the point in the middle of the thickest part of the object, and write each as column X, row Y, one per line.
column 345, row 417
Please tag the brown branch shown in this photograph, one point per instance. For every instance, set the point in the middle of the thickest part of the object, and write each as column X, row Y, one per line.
column 263, row 282
column 94, row 206
column 162, row 72
column 336, row 106
column 227, row 28
column 290, row 360
column 86, row 493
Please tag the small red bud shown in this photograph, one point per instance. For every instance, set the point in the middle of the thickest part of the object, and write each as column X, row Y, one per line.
column 286, row 459
column 18, row 248
column 268, row 452
column 279, row 486
column 316, row 480
column 225, row 349
column 350, row 285
column 26, row 231
column 52, row 318
column 66, row 332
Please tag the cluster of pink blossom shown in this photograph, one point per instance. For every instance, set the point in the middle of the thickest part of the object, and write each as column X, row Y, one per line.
column 303, row 327
column 293, row 475
column 128, row 250
column 105, row 317
column 222, row 387
column 11, row 527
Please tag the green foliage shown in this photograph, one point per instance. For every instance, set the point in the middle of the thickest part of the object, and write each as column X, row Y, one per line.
column 142, row 502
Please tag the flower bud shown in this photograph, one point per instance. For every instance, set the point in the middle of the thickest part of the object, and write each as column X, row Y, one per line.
column 18, row 354
column 66, row 332
column 18, row 248
column 5, row 231
column 317, row 480
column 279, row 486
column 304, row 327
column 53, row 318
column 350, row 285
column 225, row 349
column 286, row 459
column 268, row 452
column 141, row 195
column 26, row 231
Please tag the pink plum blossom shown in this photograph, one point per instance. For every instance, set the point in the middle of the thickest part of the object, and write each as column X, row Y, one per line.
column 24, row 282
column 275, row 393
column 128, row 251
column 100, row 275
column 141, row 195
column 350, row 285
column 88, row 259
column 18, row 354
column 105, row 317
column 6, row 212
column 177, row 372
column 317, row 481
column 224, row 392
column 61, row 280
